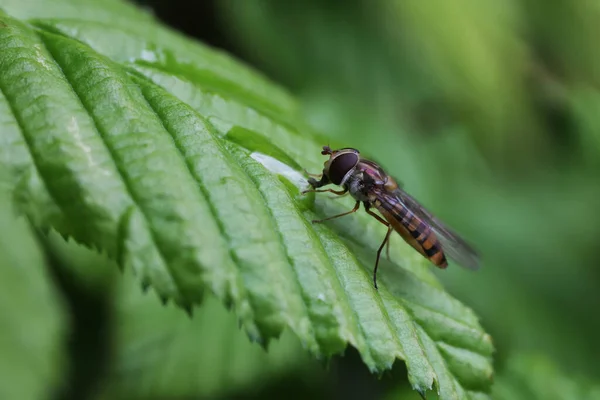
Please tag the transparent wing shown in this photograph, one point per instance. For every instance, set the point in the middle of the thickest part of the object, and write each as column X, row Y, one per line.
column 455, row 247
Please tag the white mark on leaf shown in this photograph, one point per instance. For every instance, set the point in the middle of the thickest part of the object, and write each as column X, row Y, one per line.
column 42, row 58
column 279, row 168
column 148, row 55
column 221, row 125
column 75, row 132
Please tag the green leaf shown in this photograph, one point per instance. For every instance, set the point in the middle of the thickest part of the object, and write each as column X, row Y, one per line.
column 185, row 167
column 530, row 376
column 31, row 316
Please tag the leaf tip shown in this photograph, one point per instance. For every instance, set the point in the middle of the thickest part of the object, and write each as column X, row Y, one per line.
column 489, row 340
column 164, row 300
column 189, row 310
column 145, row 286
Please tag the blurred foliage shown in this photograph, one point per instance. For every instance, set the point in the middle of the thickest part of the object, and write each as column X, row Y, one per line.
column 537, row 377
column 32, row 320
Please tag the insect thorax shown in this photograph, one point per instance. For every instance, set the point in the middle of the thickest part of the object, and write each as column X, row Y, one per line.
column 358, row 186
column 361, row 180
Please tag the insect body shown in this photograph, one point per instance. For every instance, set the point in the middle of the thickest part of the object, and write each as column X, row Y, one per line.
column 369, row 184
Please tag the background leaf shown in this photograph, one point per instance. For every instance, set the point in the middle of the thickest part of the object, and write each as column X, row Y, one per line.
column 537, row 377
column 32, row 339
column 163, row 154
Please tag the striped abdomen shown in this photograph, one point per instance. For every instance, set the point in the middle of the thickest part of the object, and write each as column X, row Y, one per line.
column 414, row 231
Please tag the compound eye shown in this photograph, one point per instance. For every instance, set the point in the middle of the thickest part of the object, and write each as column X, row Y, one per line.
column 340, row 166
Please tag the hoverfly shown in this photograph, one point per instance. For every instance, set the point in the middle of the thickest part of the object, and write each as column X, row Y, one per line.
column 368, row 183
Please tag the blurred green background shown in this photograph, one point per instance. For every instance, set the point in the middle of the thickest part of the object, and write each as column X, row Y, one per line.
column 488, row 112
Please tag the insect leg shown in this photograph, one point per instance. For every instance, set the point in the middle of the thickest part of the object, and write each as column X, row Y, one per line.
column 387, row 250
column 317, row 221
column 377, row 217
column 338, row 195
column 386, row 240
column 313, row 175
column 338, row 192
